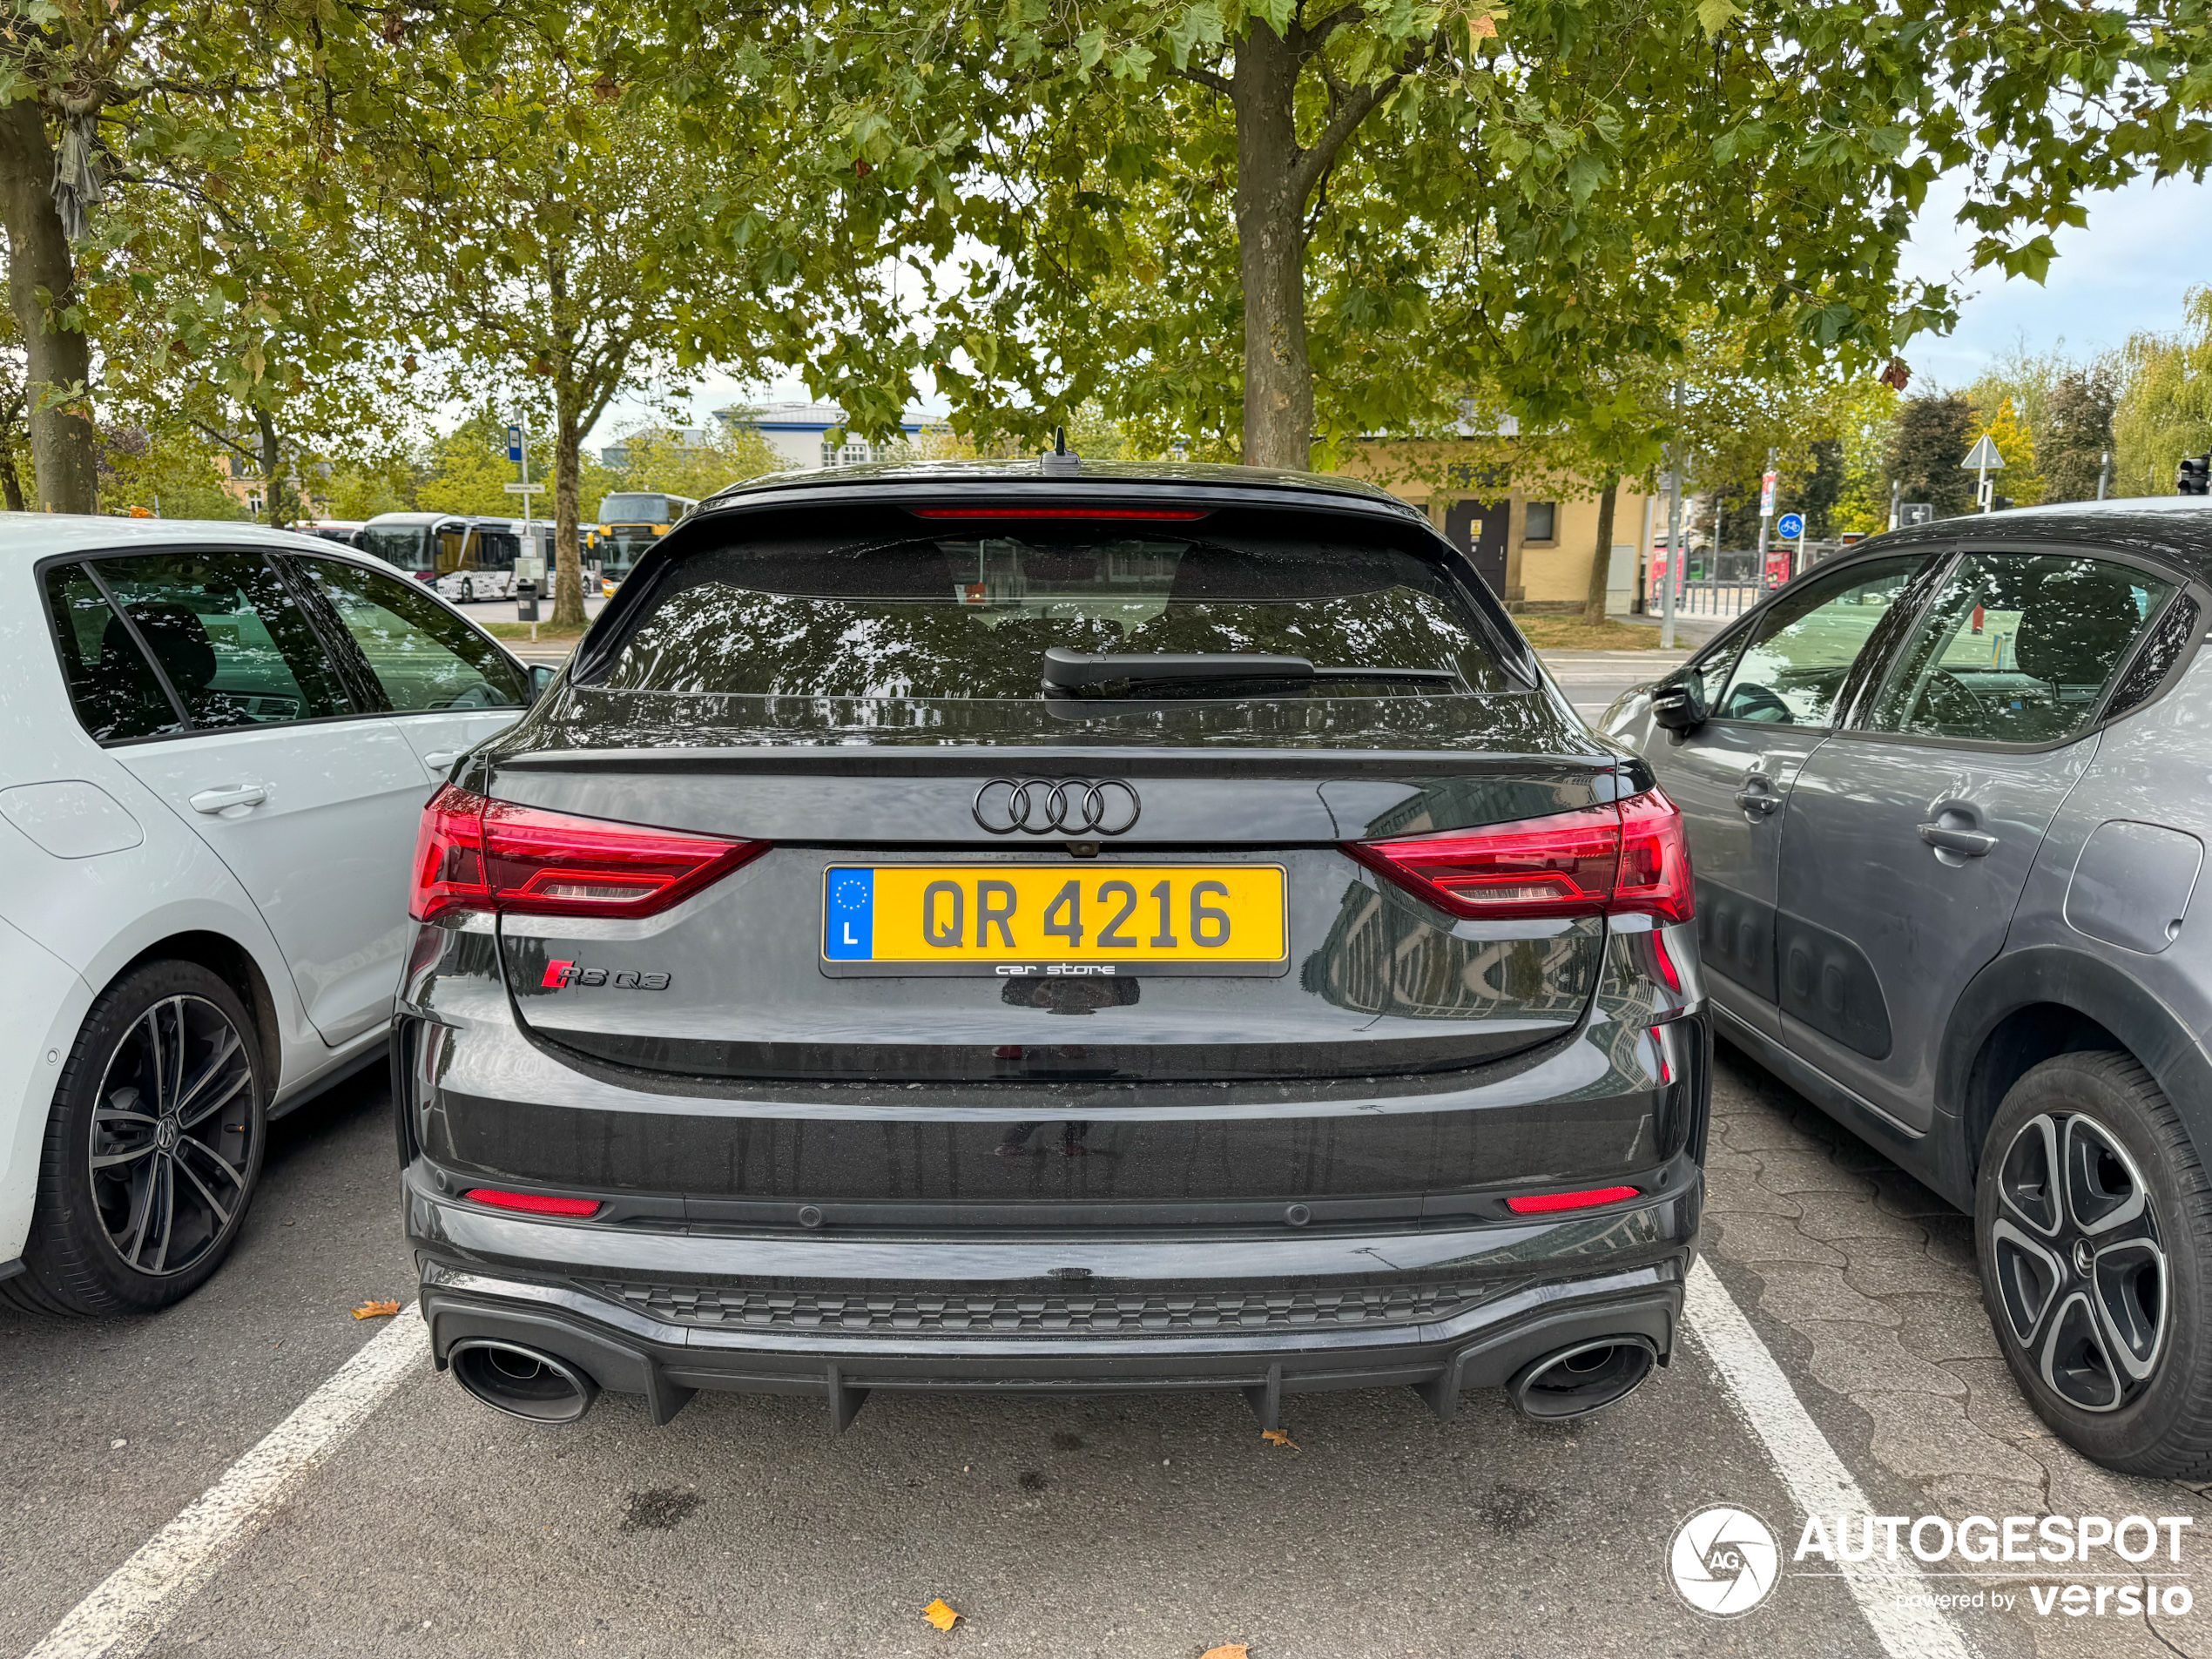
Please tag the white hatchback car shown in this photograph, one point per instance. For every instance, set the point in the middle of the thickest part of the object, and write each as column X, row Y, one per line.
column 215, row 744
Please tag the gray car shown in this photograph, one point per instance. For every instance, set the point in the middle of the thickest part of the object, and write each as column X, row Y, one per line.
column 1946, row 801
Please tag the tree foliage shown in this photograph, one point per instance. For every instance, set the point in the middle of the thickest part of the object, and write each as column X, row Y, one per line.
column 2077, row 433
column 1243, row 223
column 2164, row 410
column 1933, row 434
column 690, row 462
column 181, row 161
column 2022, row 482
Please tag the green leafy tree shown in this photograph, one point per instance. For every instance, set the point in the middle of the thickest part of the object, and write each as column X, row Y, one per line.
column 470, row 471
column 2022, row 481
column 1256, row 224
column 241, row 299
column 168, row 469
column 2077, row 434
column 109, row 106
column 2164, row 409
column 579, row 242
column 1866, row 429
column 692, row 463
column 1932, row 436
column 370, row 481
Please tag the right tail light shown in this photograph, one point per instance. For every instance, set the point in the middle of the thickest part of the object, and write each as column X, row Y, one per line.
column 1626, row 857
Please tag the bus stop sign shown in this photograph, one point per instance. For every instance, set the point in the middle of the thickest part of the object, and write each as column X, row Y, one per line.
column 514, row 444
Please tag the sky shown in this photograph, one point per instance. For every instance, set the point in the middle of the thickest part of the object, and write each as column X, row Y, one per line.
column 2144, row 248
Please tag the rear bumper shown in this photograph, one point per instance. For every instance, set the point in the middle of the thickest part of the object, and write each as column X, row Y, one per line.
column 1523, row 1292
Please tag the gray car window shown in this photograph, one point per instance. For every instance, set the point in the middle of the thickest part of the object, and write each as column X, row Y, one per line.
column 2017, row 648
column 1805, row 646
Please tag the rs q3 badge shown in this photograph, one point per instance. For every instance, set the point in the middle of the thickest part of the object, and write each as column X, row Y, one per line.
column 560, row 975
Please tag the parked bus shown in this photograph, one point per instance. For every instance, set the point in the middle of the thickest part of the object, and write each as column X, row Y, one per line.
column 464, row 558
column 347, row 532
column 629, row 522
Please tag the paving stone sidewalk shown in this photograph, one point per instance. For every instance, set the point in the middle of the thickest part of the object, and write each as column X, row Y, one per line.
column 1864, row 1283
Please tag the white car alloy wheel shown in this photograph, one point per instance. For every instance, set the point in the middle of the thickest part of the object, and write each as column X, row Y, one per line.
column 171, row 1154
column 153, row 1150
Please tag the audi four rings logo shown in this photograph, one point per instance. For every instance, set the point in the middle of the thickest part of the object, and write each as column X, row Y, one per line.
column 1071, row 806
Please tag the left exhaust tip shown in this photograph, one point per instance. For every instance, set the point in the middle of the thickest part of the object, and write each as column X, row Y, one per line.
column 519, row 1381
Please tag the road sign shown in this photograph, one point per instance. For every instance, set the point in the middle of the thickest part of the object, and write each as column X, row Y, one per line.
column 514, row 444
column 523, row 489
column 1790, row 526
column 1983, row 457
column 1766, row 495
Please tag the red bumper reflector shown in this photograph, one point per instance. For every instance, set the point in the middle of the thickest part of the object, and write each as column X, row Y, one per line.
column 1156, row 515
column 533, row 1204
column 1543, row 1203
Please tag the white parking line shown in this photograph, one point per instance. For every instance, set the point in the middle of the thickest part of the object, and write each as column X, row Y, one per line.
column 128, row 1609
column 1819, row 1484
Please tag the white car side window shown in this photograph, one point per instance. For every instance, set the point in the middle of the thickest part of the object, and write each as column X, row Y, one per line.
column 422, row 655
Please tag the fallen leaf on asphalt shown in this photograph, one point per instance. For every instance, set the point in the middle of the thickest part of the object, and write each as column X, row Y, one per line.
column 939, row 1614
column 374, row 1310
column 1278, row 1437
column 1234, row 1650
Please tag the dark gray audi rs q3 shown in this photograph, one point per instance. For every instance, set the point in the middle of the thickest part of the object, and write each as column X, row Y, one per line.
column 1051, row 927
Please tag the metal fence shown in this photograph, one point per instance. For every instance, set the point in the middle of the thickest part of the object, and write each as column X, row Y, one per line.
column 1727, row 583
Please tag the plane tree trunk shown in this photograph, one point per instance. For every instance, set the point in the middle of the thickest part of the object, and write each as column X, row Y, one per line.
column 1602, row 556
column 64, row 452
column 1271, row 246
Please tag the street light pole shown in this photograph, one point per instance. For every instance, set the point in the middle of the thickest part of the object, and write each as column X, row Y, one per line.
column 1674, row 530
column 1766, row 508
column 2104, row 473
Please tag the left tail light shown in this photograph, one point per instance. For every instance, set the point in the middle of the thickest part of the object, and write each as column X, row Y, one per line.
column 475, row 853
column 1626, row 857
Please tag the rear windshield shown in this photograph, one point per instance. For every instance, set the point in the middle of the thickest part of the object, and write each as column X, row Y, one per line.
column 972, row 618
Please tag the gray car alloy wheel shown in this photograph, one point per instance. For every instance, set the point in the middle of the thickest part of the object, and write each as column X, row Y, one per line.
column 171, row 1151
column 2081, row 1270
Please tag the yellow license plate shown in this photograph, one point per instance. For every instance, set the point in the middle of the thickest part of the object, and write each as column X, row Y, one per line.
column 1025, row 920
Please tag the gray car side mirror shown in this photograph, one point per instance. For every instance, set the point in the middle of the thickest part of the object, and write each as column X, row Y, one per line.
column 541, row 678
column 1674, row 707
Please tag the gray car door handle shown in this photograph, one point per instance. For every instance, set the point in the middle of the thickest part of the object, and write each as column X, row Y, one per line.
column 1757, row 795
column 211, row 801
column 1967, row 843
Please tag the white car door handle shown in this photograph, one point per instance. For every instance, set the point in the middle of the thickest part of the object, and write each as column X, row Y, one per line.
column 213, row 801
column 440, row 760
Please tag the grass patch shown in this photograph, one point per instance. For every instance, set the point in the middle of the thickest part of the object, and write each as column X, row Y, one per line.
column 1572, row 633
column 522, row 630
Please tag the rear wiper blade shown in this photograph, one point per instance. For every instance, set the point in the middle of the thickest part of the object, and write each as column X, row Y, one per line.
column 1065, row 671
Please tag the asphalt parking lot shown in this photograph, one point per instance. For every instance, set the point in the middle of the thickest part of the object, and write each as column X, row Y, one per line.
column 1837, row 1357
column 1144, row 1525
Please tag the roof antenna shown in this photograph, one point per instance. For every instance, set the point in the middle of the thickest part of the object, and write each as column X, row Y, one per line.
column 1061, row 462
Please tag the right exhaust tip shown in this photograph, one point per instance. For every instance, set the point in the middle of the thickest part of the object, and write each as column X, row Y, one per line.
column 519, row 1381
column 1586, row 1378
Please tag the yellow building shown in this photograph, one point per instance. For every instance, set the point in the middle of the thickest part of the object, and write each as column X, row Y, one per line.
column 1532, row 539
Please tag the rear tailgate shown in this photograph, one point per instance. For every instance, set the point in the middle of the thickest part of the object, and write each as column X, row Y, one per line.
column 1223, row 936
